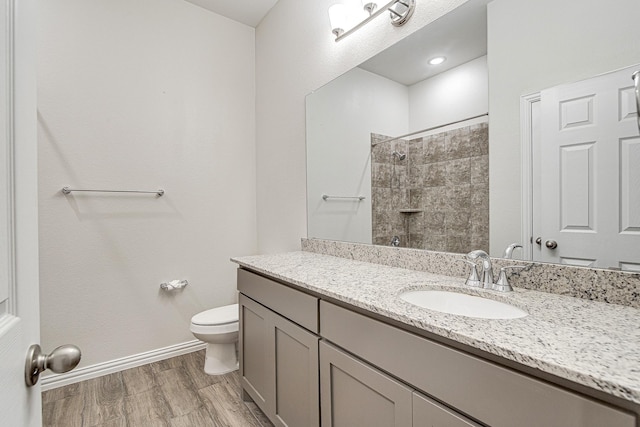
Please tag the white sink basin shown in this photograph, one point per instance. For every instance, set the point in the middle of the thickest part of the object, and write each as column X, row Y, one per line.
column 463, row 304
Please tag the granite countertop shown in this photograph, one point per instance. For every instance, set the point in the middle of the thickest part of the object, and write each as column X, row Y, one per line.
column 590, row 343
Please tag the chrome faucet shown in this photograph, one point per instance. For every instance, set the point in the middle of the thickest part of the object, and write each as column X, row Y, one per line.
column 473, row 280
column 487, row 269
column 503, row 285
column 508, row 253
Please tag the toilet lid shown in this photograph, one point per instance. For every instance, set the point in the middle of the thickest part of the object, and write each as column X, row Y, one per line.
column 217, row 316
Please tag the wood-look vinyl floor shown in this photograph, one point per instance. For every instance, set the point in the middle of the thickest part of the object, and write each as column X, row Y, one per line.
column 170, row 393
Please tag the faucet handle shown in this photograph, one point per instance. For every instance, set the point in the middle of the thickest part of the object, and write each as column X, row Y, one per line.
column 502, row 285
column 474, row 279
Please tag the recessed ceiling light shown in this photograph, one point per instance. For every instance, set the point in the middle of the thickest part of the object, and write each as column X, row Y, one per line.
column 437, row 60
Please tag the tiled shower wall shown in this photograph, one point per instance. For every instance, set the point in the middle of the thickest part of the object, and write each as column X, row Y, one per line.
column 437, row 198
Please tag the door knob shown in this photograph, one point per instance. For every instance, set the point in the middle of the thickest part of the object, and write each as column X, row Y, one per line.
column 62, row 359
column 551, row 244
column 539, row 241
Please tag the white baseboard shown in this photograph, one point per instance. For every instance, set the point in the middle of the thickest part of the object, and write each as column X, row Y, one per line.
column 58, row 380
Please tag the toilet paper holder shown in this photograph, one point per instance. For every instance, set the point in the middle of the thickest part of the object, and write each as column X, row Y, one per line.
column 173, row 285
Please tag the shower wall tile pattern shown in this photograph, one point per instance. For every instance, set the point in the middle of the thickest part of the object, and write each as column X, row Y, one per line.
column 446, row 178
column 389, row 191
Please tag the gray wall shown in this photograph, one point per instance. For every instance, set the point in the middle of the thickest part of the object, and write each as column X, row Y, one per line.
column 141, row 95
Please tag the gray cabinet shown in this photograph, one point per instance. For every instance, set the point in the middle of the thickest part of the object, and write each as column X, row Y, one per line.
column 355, row 394
column 278, row 363
column 483, row 390
column 427, row 412
column 294, row 305
column 254, row 349
column 295, row 389
column 366, row 372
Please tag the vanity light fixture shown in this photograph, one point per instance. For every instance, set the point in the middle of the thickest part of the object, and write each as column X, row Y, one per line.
column 437, row 60
column 345, row 17
column 338, row 15
column 370, row 6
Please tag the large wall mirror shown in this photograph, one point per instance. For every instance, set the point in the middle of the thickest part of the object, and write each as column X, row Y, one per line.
column 526, row 134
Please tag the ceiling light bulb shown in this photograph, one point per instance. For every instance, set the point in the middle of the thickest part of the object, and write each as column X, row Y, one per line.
column 437, row 60
column 338, row 16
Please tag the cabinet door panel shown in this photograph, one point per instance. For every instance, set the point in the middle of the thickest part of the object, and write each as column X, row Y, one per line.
column 427, row 412
column 254, row 352
column 354, row 394
column 296, row 375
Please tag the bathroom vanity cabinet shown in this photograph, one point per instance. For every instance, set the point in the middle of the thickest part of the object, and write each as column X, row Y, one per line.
column 485, row 391
column 279, row 358
column 370, row 372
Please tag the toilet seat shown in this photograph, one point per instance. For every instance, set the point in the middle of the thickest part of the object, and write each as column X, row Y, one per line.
column 217, row 316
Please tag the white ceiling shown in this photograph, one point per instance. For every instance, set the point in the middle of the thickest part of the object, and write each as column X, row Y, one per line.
column 460, row 36
column 249, row 12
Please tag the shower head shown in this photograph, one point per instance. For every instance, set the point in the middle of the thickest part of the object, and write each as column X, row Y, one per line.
column 400, row 156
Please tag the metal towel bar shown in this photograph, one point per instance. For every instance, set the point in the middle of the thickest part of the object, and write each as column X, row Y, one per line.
column 159, row 193
column 326, row 196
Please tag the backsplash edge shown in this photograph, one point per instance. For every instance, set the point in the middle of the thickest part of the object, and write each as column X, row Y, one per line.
column 610, row 286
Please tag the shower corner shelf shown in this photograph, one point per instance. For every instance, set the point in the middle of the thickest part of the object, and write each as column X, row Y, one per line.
column 410, row 211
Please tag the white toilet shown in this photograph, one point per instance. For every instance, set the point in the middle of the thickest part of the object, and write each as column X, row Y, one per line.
column 218, row 327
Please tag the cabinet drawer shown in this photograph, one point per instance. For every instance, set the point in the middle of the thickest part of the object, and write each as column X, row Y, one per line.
column 427, row 412
column 483, row 390
column 296, row 306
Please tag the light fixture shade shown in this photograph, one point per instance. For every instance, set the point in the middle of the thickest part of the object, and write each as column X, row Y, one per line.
column 355, row 13
column 339, row 18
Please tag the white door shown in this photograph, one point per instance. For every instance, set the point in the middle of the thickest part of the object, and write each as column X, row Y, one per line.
column 590, row 180
column 19, row 328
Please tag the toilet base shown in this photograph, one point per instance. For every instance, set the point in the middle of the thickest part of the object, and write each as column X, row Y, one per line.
column 220, row 359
